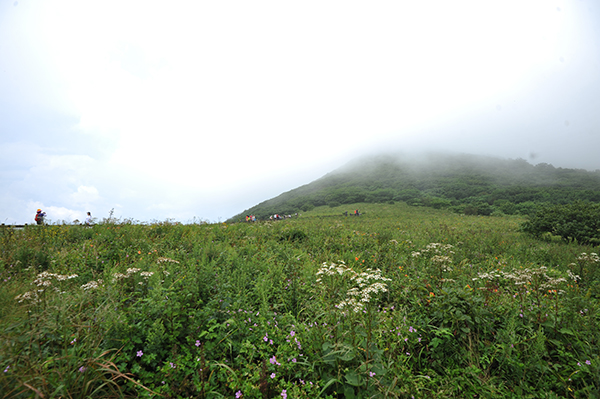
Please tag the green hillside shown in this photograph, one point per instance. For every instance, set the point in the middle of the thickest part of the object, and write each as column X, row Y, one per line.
column 466, row 184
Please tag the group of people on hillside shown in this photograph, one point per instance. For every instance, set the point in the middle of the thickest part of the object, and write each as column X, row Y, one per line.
column 280, row 217
column 356, row 213
column 250, row 218
column 40, row 217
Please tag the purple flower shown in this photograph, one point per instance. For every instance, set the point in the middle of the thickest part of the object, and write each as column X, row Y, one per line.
column 294, row 360
column 292, row 333
column 272, row 375
column 82, row 369
column 266, row 339
column 6, row 369
column 284, row 394
column 172, row 365
column 371, row 374
column 198, row 343
column 588, row 362
column 139, row 353
column 238, row 394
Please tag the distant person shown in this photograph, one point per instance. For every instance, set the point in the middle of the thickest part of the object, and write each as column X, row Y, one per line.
column 356, row 213
column 39, row 217
column 346, row 213
column 88, row 219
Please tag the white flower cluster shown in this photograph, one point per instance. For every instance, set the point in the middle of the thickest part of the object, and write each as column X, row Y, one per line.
column 130, row 272
column 366, row 284
column 332, row 270
column 435, row 248
column 28, row 296
column 572, row 276
column 92, row 285
column 525, row 276
column 162, row 259
column 440, row 254
column 43, row 280
column 591, row 257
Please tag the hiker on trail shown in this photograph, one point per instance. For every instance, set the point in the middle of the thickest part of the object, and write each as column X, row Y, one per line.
column 39, row 217
column 88, row 219
column 356, row 213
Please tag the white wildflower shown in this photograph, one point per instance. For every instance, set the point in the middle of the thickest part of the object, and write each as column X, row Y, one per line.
column 162, row 259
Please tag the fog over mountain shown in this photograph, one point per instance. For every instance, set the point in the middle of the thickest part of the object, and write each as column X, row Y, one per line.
column 200, row 110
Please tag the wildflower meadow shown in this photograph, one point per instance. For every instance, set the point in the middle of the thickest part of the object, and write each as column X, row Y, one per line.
column 400, row 302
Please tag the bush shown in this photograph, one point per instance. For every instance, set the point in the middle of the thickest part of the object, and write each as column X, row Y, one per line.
column 579, row 222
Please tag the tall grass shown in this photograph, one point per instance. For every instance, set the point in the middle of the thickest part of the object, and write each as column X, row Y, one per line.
column 399, row 302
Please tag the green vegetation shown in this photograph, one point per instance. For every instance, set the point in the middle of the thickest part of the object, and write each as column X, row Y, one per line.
column 579, row 222
column 465, row 184
column 400, row 302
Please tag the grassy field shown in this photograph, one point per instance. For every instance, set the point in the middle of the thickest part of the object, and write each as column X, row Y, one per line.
column 400, row 302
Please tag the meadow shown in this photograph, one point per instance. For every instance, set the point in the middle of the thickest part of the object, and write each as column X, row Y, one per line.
column 401, row 302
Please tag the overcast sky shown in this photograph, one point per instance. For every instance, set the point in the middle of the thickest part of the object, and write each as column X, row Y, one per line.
column 202, row 109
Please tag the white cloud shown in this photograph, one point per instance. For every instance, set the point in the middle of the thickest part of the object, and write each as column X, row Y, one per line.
column 85, row 195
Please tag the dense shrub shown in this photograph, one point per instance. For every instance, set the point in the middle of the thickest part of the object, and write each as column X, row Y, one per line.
column 578, row 222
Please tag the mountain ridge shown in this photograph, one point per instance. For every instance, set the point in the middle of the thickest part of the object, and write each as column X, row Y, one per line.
column 464, row 183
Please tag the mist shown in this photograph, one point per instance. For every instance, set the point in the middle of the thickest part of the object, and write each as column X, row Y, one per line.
column 199, row 111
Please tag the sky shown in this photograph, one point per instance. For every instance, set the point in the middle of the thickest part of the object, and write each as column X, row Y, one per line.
column 197, row 110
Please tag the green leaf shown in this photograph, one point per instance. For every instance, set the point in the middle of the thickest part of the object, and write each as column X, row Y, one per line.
column 353, row 378
column 349, row 355
column 566, row 331
column 349, row 392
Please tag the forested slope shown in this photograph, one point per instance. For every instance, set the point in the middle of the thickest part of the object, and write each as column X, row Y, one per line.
column 467, row 184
